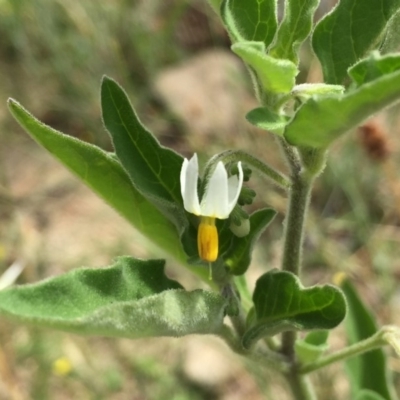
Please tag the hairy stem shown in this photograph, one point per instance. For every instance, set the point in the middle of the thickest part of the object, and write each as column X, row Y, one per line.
column 291, row 155
column 381, row 338
column 297, row 210
column 265, row 170
column 263, row 357
column 292, row 252
column 299, row 198
column 301, row 386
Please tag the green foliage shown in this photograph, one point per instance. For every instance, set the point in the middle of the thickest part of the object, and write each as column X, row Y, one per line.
column 368, row 371
column 153, row 169
column 216, row 5
column 132, row 298
column 264, row 118
column 103, row 173
column 316, row 123
column 348, row 33
column 305, row 90
column 312, row 347
column 282, row 304
column 294, row 28
column 238, row 257
column 276, row 76
column 250, row 20
column 369, row 395
column 392, row 36
column 374, row 67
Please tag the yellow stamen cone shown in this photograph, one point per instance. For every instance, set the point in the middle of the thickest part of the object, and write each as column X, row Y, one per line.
column 207, row 239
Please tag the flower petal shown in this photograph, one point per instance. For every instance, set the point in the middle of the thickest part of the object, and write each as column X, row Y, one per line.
column 234, row 187
column 233, row 183
column 189, row 177
column 215, row 199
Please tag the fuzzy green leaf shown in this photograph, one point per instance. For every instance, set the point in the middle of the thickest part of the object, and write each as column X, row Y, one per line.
column 153, row 169
column 368, row 371
column 253, row 20
column 349, row 32
column 102, row 172
column 283, row 304
column 238, row 257
column 294, row 28
column 316, row 123
column 132, row 298
column 276, row 76
column 391, row 43
column 374, row 67
column 306, row 90
column 265, row 119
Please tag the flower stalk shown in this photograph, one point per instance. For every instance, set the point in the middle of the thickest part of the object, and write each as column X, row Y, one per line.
column 278, row 178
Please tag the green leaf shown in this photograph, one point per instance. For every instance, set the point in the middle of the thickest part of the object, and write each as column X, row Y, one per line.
column 294, row 28
column 103, row 173
column 374, row 67
column 316, row 123
column 306, row 90
column 132, row 298
column 238, row 257
column 250, row 20
column 153, row 169
column 369, row 395
column 189, row 243
column 283, row 304
column 312, row 347
column 391, row 42
column 264, row 118
column 348, row 33
column 368, row 371
column 276, row 76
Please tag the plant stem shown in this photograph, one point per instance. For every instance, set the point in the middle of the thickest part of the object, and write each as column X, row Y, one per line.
column 299, row 198
column 292, row 252
column 291, row 155
column 298, row 204
column 264, row 357
column 373, row 342
column 301, row 386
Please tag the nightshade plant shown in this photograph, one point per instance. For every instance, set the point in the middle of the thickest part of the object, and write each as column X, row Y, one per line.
column 161, row 195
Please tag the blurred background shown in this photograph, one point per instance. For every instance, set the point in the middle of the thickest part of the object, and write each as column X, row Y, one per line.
column 173, row 59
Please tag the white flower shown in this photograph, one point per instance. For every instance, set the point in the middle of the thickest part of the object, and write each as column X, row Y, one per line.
column 221, row 193
column 219, row 199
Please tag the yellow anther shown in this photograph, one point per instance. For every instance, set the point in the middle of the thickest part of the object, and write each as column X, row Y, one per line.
column 207, row 239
